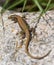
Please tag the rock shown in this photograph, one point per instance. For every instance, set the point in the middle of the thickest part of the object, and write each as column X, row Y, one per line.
column 44, row 35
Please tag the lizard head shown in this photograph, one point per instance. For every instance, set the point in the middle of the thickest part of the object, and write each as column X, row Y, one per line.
column 13, row 17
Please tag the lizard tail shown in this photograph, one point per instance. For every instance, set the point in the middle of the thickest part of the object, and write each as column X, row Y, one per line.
column 27, row 50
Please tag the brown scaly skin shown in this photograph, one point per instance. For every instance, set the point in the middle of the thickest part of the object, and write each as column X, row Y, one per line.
column 26, row 30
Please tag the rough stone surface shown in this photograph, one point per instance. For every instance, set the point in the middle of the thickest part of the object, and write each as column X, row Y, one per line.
column 44, row 32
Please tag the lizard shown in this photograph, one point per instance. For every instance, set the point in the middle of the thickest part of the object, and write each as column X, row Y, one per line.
column 25, row 28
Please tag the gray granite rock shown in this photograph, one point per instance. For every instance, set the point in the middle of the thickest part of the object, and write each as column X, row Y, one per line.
column 44, row 33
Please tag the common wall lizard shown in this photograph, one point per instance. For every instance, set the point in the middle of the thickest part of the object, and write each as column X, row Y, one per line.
column 25, row 28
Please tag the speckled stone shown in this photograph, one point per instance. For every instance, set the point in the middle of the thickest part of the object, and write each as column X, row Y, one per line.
column 44, row 33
